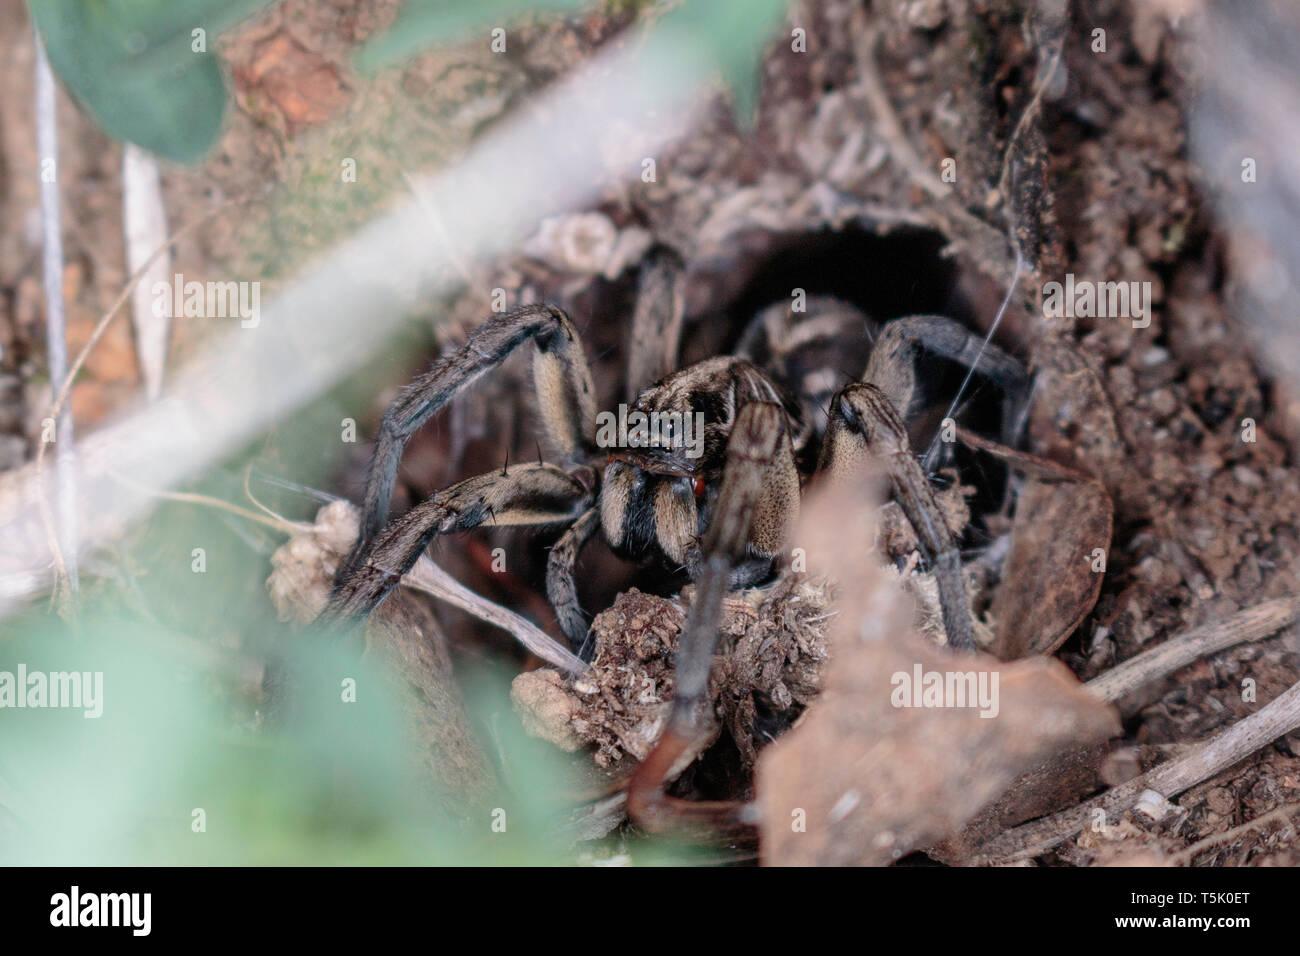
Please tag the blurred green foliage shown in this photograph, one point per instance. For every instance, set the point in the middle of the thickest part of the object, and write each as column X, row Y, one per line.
column 134, row 66
column 338, row 783
column 145, row 70
column 425, row 23
column 731, row 34
column 334, row 785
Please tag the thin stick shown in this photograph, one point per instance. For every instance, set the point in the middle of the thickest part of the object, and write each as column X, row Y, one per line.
column 1199, row 847
column 1251, row 624
column 271, row 519
column 1276, row 719
column 144, row 225
column 425, row 576
column 102, row 326
column 428, row 577
column 47, row 146
column 1035, row 466
column 248, row 491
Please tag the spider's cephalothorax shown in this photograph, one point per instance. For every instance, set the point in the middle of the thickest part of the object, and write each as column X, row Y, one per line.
column 808, row 391
column 657, row 501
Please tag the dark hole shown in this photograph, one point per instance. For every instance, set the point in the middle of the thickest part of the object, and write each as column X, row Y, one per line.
column 901, row 273
column 886, row 276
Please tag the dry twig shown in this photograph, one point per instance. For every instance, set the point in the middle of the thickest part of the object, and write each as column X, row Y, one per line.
column 1217, row 839
column 887, row 122
column 1251, row 624
column 428, row 577
column 1275, row 719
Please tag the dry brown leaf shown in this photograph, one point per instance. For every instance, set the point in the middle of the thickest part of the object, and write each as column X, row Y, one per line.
column 1071, row 419
column 862, row 781
column 1064, row 521
column 1050, row 580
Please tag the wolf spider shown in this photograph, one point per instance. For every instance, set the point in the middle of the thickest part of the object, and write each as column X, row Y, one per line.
column 723, row 516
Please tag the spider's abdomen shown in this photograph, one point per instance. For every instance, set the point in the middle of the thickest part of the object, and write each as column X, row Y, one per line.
column 813, row 354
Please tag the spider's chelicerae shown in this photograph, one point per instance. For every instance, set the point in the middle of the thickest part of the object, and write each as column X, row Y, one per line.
column 778, row 410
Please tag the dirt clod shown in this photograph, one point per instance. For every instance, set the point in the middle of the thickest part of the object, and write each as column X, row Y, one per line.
column 770, row 661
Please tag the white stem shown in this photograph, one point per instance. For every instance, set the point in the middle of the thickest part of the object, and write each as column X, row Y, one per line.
column 56, row 343
column 144, row 227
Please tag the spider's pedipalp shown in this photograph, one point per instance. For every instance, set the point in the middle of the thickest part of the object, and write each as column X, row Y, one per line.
column 814, row 353
column 758, row 497
column 866, row 433
column 561, row 589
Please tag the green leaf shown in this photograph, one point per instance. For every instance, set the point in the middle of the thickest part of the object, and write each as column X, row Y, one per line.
column 132, row 66
column 733, row 34
column 426, row 23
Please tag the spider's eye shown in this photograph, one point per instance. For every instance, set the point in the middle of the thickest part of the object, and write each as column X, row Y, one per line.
column 699, row 487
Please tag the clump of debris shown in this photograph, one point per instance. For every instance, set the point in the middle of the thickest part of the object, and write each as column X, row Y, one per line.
column 771, row 655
